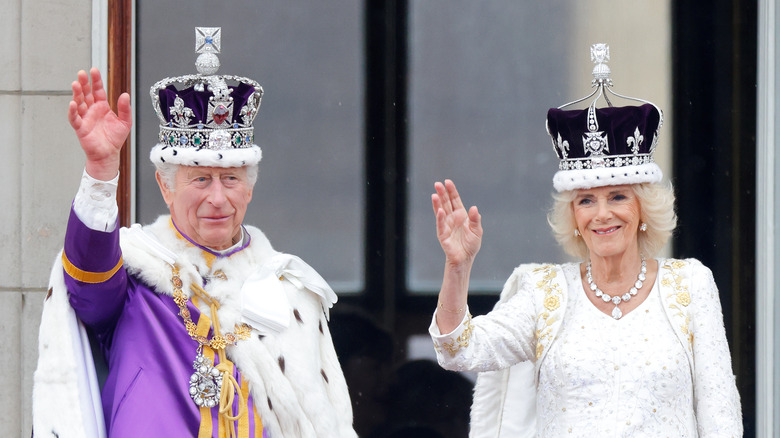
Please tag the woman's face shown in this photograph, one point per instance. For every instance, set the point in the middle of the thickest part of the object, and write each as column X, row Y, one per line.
column 608, row 219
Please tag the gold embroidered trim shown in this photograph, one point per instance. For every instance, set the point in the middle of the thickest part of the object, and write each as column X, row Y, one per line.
column 86, row 276
column 218, row 341
column 553, row 296
column 673, row 280
column 462, row 341
column 243, row 423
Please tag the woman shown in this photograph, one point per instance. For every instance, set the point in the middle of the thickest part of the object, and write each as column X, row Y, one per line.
column 623, row 344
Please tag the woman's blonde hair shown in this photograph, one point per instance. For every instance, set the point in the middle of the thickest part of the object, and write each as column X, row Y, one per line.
column 656, row 203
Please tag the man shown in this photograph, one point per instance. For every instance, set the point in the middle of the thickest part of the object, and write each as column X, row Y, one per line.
column 207, row 331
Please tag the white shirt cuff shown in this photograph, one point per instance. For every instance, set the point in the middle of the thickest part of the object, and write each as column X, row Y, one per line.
column 436, row 334
column 95, row 203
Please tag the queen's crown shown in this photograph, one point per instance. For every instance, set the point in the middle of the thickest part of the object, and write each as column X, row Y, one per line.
column 608, row 145
column 206, row 110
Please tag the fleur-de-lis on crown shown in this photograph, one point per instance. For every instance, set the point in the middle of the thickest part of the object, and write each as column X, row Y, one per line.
column 635, row 141
column 654, row 143
column 563, row 146
column 248, row 112
column 180, row 113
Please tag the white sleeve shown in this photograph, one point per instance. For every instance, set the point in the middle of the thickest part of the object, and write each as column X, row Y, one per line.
column 502, row 338
column 95, row 203
column 716, row 400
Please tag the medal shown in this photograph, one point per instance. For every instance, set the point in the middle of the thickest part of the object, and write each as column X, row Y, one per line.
column 205, row 382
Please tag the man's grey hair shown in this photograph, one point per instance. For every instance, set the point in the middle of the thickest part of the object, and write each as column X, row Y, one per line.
column 168, row 171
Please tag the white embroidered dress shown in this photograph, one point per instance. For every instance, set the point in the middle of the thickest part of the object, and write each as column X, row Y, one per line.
column 610, row 377
column 640, row 376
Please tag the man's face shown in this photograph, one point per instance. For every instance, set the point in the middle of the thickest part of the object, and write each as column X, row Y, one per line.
column 208, row 204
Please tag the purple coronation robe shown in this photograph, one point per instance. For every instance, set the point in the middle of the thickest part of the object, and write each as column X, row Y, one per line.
column 150, row 353
column 143, row 339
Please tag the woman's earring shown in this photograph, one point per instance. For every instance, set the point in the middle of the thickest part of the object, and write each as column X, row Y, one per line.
column 576, row 233
column 643, row 227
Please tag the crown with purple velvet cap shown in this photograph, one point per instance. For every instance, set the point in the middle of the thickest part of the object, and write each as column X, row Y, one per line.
column 206, row 119
column 604, row 146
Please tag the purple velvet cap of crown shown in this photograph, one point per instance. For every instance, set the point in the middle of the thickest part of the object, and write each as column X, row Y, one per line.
column 198, row 101
column 618, row 151
column 619, row 123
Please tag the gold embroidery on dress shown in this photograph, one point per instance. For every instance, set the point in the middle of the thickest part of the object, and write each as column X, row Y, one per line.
column 552, row 301
column 673, row 280
column 462, row 341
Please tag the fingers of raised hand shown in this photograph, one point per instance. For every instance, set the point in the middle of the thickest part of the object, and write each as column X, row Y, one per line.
column 98, row 92
column 123, row 109
column 475, row 221
column 86, row 88
column 435, row 203
column 448, row 196
column 82, row 78
column 78, row 98
column 453, row 195
column 444, row 198
column 73, row 115
column 441, row 223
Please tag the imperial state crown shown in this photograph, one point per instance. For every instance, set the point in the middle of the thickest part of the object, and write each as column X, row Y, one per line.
column 207, row 119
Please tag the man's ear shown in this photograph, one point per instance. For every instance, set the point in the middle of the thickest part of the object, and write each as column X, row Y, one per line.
column 166, row 192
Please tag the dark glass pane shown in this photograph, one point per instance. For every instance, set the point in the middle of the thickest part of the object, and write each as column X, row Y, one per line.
column 481, row 78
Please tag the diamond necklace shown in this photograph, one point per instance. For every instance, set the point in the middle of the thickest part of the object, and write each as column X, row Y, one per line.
column 616, row 300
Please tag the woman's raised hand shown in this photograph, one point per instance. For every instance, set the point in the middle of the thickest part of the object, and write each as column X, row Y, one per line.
column 101, row 132
column 459, row 231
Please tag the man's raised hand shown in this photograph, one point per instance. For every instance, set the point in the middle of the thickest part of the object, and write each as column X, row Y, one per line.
column 101, row 132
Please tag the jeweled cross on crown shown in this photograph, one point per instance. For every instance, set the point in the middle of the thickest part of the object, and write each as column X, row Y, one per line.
column 208, row 39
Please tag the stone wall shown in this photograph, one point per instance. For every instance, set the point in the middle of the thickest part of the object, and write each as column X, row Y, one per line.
column 45, row 43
